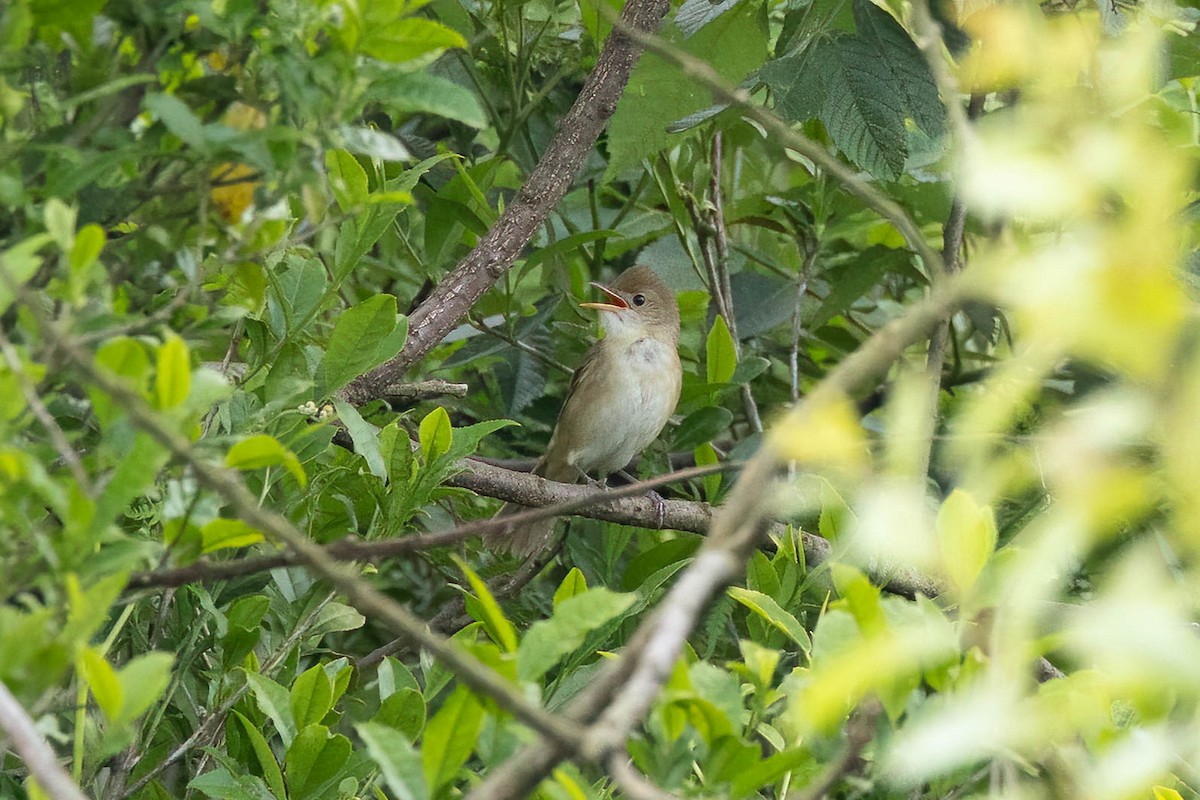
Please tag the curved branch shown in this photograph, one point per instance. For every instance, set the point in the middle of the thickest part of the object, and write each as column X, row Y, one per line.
column 565, row 154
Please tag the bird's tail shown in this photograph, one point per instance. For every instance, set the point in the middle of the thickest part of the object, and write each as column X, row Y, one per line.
column 526, row 538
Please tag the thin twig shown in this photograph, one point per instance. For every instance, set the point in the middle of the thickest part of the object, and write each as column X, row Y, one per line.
column 721, row 240
column 34, row 750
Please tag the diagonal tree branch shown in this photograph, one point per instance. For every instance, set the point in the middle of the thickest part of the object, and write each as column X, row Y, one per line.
column 34, row 750
column 573, row 140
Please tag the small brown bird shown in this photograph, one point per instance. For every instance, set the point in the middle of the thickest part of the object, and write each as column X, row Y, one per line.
column 621, row 396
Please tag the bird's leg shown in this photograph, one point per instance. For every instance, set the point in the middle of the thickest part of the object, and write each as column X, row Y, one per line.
column 660, row 504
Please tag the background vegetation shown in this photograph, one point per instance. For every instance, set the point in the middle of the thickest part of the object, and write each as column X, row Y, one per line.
column 962, row 236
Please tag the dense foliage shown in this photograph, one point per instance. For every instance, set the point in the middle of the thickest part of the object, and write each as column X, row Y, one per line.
column 231, row 207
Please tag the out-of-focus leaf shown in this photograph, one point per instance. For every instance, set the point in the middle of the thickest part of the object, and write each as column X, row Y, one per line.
column 397, row 760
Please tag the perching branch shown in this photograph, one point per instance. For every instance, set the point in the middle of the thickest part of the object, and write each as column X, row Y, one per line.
column 565, row 154
column 618, row 698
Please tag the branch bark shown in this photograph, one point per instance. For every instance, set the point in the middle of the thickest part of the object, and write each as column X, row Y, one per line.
column 567, row 151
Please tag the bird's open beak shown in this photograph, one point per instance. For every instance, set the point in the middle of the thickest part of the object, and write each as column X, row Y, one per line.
column 618, row 303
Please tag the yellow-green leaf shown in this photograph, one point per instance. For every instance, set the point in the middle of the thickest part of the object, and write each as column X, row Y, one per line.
column 347, row 179
column 774, row 614
column 497, row 625
column 261, row 450
column 967, row 535
column 435, row 434
column 575, row 583
column 173, row 379
column 720, row 355
column 88, row 244
column 103, row 682
column 225, row 533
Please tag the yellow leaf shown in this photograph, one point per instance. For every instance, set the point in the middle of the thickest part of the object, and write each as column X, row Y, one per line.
column 827, row 433
column 173, row 378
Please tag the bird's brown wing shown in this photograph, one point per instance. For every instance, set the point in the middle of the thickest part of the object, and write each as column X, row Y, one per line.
column 525, row 540
column 554, row 464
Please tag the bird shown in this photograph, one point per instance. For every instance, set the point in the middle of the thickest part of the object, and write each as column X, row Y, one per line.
column 620, row 397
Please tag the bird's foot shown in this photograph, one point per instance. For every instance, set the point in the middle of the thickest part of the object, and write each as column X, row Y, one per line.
column 660, row 508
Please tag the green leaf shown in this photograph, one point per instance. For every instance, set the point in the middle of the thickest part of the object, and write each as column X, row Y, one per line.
column 347, row 179
column 173, row 377
column 88, row 243
column 706, row 455
column 221, row 784
column 896, row 51
column 771, row 769
column 967, row 535
column 261, row 450
column 265, row 756
column 701, row 426
column 274, row 701
column 450, row 738
column 409, row 39
column 365, row 336
column 844, row 82
column 398, row 761
column 426, row 93
column 133, row 475
column 720, row 354
column 178, row 118
column 20, row 262
column 313, row 763
column 549, row 641
column 498, row 627
column 575, row 583
column 749, row 368
column 372, row 143
column 777, row 617
column 403, row 710
column 221, row 534
column 658, row 93
column 143, row 681
column 364, row 435
column 311, row 696
column 296, row 294
column 103, row 682
column 435, row 434
column 336, row 617
column 852, row 280
column 60, row 223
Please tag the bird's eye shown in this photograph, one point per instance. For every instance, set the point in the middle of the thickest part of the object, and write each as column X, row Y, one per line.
column 639, row 299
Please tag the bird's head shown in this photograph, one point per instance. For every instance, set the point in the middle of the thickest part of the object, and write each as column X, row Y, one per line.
column 640, row 304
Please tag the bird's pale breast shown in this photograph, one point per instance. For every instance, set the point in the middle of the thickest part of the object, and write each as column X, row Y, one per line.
column 629, row 404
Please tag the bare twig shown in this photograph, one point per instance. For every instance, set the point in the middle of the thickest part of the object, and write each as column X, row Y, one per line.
column 566, row 152
column 408, row 393
column 34, row 750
